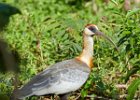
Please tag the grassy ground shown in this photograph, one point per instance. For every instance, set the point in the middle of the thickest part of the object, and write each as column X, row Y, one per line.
column 49, row 31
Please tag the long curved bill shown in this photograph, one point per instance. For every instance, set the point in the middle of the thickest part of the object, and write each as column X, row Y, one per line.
column 106, row 37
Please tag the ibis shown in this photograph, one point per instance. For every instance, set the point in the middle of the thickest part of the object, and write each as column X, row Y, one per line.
column 65, row 76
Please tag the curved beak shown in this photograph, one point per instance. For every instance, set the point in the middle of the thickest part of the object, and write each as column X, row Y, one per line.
column 106, row 37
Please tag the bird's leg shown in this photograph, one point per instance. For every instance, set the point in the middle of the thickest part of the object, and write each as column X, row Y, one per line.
column 64, row 96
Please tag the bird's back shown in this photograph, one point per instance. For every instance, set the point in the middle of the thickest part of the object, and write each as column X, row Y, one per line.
column 60, row 78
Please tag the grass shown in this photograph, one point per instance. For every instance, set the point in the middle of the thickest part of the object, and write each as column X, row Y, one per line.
column 49, row 31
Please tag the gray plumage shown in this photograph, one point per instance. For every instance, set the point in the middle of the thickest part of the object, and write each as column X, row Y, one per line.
column 60, row 78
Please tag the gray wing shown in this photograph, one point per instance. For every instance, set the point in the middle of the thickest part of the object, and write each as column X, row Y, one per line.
column 69, row 70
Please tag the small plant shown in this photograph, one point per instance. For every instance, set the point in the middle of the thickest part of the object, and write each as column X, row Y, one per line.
column 49, row 31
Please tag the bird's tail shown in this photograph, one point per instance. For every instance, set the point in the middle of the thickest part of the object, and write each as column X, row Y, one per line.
column 14, row 95
column 19, row 94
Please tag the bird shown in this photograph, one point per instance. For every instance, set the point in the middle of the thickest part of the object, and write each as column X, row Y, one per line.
column 6, row 11
column 67, row 76
column 7, row 57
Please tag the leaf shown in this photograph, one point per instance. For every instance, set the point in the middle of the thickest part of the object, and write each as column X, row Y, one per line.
column 132, row 12
column 60, row 34
column 8, row 58
column 77, row 46
column 131, row 72
column 84, row 93
column 132, row 89
column 114, row 1
column 53, row 25
column 125, row 37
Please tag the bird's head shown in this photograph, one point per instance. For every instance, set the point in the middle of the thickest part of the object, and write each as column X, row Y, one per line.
column 91, row 30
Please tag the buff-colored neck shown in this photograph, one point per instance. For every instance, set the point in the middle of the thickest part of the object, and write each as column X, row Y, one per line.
column 87, row 53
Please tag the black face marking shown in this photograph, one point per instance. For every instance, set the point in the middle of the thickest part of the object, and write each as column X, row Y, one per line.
column 92, row 28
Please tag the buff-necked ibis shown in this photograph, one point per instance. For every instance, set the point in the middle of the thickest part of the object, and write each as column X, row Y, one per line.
column 66, row 76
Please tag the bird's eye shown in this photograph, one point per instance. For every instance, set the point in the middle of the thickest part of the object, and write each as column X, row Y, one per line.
column 93, row 29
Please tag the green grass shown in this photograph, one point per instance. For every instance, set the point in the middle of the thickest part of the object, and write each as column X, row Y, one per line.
column 49, row 31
